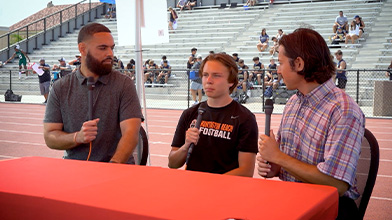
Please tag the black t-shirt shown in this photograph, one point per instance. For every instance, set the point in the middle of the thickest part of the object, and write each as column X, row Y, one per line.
column 223, row 133
column 241, row 71
column 257, row 66
column 188, row 64
column 45, row 76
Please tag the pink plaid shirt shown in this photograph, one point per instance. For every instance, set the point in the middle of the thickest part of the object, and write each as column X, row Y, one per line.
column 323, row 128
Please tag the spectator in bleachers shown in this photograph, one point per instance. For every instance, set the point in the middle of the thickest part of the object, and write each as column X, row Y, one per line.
column 243, row 82
column 279, row 34
column 131, row 64
column 173, row 18
column 44, row 79
column 152, row 70
column 145, row 67
column 117, row 63
column 353, row 35
column 340, row 21
column 163, row 59
column 63, row 68
column 111, row 12
column 181, row 4
column 164, row 73
column 235, row 57
column 251, row 2
column 191, row 59
column 272, row 74
column 191, row 4
column 338, row 36
column 22, row 60
column 263, row 41
column 275, row 47
column 255, row 75
column 388, row 73
column 271, row 79
column 130, row 71
column 360, row 24
column 75, row 62
column 196, row 84
column 211, row 52
column 341, row 70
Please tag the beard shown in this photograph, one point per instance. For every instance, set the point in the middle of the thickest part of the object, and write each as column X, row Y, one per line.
column 97, row 66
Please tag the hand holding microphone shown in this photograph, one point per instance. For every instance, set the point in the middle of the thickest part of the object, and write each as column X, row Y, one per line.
column 200, row 112
column 88, row 132
column 266, row 145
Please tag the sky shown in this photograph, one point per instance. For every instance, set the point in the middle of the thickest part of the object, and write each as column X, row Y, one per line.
column 13, row 11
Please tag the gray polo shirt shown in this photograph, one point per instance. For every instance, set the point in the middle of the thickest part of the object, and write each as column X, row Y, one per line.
column 114, row 100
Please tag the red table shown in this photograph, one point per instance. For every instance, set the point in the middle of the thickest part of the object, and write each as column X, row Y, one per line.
column 47, row 188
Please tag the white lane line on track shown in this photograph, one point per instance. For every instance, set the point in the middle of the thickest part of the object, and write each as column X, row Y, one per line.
column 381, row 198
column 387, row 176
column 9, row 157
column 26, row 143
column 21, row 132
column 27, row 124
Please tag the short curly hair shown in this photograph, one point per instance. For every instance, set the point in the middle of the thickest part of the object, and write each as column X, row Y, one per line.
column 312, row 48
column 90, row 29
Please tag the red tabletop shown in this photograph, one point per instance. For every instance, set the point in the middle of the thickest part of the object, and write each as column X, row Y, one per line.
column 47, row 188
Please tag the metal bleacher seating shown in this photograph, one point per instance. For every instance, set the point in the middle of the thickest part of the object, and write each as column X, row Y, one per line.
column 235, row 30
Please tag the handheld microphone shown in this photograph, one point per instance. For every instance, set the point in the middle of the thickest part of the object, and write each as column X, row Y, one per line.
column 200, row 112
column 269, row 107
column 90, row 85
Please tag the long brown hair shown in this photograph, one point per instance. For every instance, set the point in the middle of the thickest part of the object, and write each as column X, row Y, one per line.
column 311, row 47
column 228, row 62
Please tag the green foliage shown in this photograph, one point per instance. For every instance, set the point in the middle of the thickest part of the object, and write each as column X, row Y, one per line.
column 15, row 38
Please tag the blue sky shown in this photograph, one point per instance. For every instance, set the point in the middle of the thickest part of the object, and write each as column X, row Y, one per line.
column 13, row 11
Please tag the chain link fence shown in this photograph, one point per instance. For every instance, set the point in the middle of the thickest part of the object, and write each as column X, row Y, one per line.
column 370, row 88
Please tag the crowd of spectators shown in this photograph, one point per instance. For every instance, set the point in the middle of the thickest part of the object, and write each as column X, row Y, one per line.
column 345, row 31
column 111, row 11
column 189, row 4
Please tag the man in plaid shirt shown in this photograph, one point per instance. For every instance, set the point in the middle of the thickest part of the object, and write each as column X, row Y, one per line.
column 320, row 135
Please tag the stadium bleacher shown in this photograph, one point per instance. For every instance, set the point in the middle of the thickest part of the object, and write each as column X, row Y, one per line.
column 235, row 30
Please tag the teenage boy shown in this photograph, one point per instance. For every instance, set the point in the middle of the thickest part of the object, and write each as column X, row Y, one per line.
column 226, row 142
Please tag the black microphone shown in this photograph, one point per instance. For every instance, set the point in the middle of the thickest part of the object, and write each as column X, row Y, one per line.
column 90, row 85
column 269, row 107
column 200, row 112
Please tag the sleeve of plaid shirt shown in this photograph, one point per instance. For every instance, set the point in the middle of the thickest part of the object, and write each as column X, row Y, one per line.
column 343, row 145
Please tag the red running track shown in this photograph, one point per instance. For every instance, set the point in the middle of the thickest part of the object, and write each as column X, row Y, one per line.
column 21, row 136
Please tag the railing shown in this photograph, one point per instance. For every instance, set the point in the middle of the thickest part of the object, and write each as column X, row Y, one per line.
column 175, row 93
column 50, row 28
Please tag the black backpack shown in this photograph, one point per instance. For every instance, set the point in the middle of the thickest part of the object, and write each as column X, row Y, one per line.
column 10, row 96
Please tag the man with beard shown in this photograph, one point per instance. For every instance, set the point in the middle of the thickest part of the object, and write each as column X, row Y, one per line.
column 114, row 129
